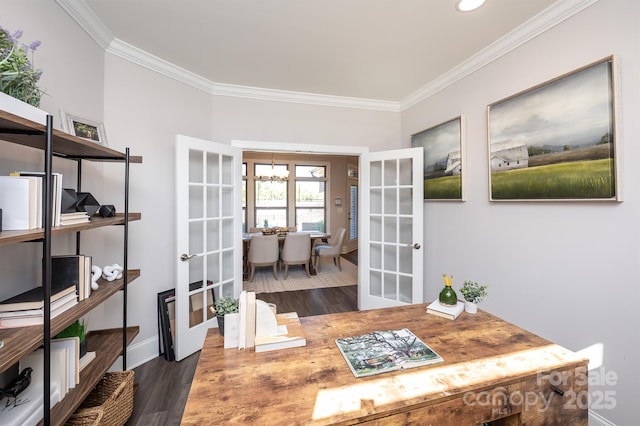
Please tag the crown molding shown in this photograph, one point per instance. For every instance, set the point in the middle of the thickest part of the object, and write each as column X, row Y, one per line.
column 540, row 23
column 545, row 20
column 88, row 21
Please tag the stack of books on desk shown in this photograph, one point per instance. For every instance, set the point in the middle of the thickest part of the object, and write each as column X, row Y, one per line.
column 445, row 311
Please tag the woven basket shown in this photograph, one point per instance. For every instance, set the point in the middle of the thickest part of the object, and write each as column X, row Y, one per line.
column 110, row 403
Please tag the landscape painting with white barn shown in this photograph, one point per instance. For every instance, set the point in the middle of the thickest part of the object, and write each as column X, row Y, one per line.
column 442, row 145
column 556, row 141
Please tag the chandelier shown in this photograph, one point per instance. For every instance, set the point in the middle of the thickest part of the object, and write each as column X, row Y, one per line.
column 274, row 175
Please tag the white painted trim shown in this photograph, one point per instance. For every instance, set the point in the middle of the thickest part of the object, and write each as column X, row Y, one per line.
column 548, row 18
column 299, row 148
column 88, row 21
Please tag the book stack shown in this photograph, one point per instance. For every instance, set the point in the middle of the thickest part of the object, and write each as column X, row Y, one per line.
column 444, row 311
column 73, row 218
column 27, row 309
column 70, row 283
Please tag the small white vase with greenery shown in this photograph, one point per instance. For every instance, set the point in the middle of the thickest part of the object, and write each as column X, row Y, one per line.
column 473, row 294
column 225, row 305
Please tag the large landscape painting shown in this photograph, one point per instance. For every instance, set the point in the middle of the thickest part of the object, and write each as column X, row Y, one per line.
column 556, row 141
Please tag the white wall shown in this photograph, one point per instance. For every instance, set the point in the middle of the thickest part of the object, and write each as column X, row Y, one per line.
column 567, row 271
column 73, row 76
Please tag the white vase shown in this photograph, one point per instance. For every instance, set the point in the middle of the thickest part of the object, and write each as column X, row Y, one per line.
column 470, row 307
column 22, row 109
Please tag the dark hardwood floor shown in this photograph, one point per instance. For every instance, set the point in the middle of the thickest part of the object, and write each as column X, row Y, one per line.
column 163, row 386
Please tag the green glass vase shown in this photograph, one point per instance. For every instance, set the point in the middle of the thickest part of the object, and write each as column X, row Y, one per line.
column 448, row 296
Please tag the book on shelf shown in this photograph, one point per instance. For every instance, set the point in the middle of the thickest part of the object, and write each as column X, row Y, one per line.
column 72, row 346
column 86, row 359
column 277, row 331
column 449, row 312
column 34, row 298
column 383, row 351
column 56, row 305
column 72, row 269
column 35, row 319
column 56, row 193
column 73, row 218
column 19, row 203
column 58, row 369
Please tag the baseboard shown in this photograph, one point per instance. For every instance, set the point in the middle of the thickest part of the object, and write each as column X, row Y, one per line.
column 141, row 352
column 596, row 419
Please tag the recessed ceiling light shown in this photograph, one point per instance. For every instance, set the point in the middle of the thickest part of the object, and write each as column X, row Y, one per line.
column 468, row 5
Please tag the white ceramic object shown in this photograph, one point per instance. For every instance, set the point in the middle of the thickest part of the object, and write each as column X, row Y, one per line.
column 470, row 308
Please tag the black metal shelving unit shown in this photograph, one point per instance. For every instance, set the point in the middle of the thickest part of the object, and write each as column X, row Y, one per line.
column 19, row 342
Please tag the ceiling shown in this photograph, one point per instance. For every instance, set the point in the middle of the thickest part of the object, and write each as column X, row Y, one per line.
column 380, row 50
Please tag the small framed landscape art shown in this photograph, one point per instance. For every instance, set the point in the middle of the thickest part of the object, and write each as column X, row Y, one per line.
column 443, row 160
column 557, row 141
column 84, row 128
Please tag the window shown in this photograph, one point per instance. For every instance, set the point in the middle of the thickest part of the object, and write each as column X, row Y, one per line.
column 270, row 198
column 311, row 195
column 300, row 201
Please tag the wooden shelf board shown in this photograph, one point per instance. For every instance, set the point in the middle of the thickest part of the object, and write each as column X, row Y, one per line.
column 12, row 237
column 23, row 340
column 25, row 132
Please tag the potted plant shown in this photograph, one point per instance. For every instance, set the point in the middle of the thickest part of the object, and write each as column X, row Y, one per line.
column 225, row 305
column 18, row 77
column 76, row 329
column 473, row 294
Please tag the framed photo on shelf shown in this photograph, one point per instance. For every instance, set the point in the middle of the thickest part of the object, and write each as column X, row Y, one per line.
column 443, row 160
column 84, row 128
column 557, row 141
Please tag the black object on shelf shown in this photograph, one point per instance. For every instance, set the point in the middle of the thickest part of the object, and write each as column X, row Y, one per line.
column 69, row 200
column 108, row 210
column 87, row 203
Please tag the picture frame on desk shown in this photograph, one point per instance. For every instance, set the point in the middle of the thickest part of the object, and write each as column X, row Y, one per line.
column 84, row 128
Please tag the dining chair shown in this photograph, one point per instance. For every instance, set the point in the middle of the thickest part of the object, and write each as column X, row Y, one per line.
column 333, row 249
column 255, row 230
column 263, row 251
column 296, row 251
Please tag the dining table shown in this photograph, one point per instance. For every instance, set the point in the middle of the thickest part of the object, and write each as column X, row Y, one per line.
column 246, row 241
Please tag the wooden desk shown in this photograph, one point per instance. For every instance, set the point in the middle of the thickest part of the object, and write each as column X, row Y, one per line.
column 246, row 239
column 493, row 372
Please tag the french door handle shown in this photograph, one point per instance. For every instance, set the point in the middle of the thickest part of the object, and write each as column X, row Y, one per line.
column 414, row 245
column 184, row 256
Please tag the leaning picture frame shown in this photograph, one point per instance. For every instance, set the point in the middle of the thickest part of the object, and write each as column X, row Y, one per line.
column 443, row 160
column 84, row 128
column 558, row 141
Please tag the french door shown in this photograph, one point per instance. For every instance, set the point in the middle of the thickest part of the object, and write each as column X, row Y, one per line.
column 391, row 218
column 208, row 236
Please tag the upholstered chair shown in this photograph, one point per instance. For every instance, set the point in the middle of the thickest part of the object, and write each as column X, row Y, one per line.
column 333, row 249
column 263, row 251
column 296, row 251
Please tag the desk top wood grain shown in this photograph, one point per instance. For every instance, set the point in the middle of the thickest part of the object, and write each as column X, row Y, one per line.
column 314, row 385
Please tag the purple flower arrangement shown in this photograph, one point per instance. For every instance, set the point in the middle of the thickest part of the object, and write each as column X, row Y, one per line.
column 18, row 77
